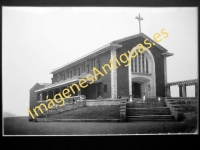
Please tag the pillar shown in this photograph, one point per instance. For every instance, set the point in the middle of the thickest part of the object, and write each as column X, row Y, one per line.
column 165, row 69
column 180, row 90
column 113, row 75
column 168, row 91
column 196, row 89
column 68, row 88
column 184, row 91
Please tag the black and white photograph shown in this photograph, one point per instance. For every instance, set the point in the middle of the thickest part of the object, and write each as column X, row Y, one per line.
column 69, row 71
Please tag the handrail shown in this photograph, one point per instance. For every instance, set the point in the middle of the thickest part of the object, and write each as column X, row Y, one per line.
column 175, row 109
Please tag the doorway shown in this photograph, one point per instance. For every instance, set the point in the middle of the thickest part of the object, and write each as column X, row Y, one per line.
column 136, row 90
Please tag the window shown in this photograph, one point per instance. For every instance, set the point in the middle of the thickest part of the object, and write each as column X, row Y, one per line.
column 147, row 66
column 139, row 62
column 63, row 76
column 57, row 78
column 83, row 68
column 70, row 74
column 78, row 72
column 75, row 71
column 88, row 68
column 143, row 63
column 67, row 74
column 135, row 64
column 93, row 63
column 105, row 88
column 98, row 67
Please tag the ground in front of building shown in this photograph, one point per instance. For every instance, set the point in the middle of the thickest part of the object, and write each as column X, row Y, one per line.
column 21, row 126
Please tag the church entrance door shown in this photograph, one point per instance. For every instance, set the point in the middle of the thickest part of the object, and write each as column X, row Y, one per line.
column 136, row 90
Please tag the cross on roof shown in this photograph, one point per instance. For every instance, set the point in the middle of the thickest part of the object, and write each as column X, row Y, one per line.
column 139, row 18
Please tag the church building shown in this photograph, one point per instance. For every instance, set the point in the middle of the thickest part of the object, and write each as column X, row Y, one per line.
column 146, row 74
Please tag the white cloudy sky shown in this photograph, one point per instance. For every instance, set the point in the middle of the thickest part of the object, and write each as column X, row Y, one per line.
column 39, row 39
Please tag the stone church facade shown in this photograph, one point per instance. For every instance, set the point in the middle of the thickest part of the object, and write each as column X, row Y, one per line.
column 147, row 73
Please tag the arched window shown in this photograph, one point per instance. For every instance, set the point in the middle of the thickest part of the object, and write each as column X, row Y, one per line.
column 131, row 65
column 147, row 66
column 135, row 64
column 140, row 64
column 143, row 69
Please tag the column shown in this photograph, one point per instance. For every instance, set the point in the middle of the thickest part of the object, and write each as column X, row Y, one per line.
column 113, row 75
column 144, row 63
column 168, row 91
column 196, row 89
column 184, row 91
column 68, row 88
column 180, row 90
column 165, row 69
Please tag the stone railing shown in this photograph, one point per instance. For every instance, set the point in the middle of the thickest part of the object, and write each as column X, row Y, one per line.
column 58, row 109
column 123, row 110
column 68, row 100
column 184, row 100
column 175, row 109
column 103, row 102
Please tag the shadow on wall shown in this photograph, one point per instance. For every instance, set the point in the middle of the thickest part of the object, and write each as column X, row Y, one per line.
column 8, row 114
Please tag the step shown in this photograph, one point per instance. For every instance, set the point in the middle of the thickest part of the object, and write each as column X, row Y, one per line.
column 148, row 109
column 151, row 118
column 151, row 108
column 147, row 113
column 144, row 105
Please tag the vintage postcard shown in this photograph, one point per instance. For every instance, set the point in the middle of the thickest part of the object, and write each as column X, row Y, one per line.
column 99, row 70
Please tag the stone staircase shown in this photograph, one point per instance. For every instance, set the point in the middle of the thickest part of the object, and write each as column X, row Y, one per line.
column 151, row 110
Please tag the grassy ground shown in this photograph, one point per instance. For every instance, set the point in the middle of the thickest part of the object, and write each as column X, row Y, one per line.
column 21, row 126
column 94, row 112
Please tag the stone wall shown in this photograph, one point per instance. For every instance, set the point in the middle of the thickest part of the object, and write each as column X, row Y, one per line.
column 60, row 109
column 189, row 104
column 101, row 102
